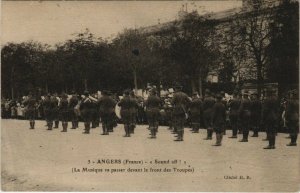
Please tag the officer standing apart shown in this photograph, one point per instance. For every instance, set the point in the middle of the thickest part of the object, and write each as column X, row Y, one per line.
column 195, row 109
column 292, row 117
column 270, row 117
column 153, row 104
column 106, row 108
column 126, row 115
column 31, row 109
column 179, row 102
column 245, row 115
column 208, row 104
column 219, row 119
column 86, row 112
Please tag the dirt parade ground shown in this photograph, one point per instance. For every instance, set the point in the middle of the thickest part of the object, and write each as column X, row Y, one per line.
column 41, row 160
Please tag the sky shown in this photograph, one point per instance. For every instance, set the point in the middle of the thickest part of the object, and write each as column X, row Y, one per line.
column 52, row 22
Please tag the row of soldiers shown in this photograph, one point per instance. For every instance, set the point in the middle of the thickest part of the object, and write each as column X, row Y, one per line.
column 243, row 113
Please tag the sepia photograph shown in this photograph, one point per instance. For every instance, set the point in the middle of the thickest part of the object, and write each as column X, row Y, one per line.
column 150, row 96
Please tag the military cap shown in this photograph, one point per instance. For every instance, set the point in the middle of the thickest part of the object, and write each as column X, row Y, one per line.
column 270, row 92
column 153, row 91
column 126, row 92
column 235, row 93
column 136, row 51
column 86, row 93
column 105, row 92
column 177, row 86
column 64, row 95
column 219, row 96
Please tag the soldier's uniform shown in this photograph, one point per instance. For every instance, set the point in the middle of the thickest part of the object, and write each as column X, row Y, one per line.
column 240, row 98
column 95, row 114
column 64, row 112
column 55, row 110
column 86, row 113
column 152, row 110
column 195, row 109
column 72, row 104
column 134, row 111
column 107, row 109
column 48, row 106
column 234, row 106
column 208, row 104
column 224, row 101
column 31, row 110
column 255, row 114
column 126, row 115
column 292, row 117
column 270, row 118
column 219, row 119
column 140, row 111
column 245, row 115
column 168, row 109
column 179, row 102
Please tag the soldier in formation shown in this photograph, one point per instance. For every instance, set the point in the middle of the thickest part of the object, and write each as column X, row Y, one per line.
column 208, row 104
column 195, row 109
column 55, row 110
column 86, row 112
column 270, row 117
column 179, row 102
column 245, row 115
column 31, row 109
column 292, row 117
column 126, row 105
column 94, row 112
column 234, row 106
column 48, row 106
column 153, row 104
column 255, row 114
column 107, row 109
column 73, row 114
column 134, row 111
column 219, row 119
column 64, row 112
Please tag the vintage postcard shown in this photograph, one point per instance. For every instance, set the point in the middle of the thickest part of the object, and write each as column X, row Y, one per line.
column 150, row 96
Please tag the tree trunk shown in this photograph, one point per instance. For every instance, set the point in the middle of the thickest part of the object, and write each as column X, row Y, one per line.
column 259, row 78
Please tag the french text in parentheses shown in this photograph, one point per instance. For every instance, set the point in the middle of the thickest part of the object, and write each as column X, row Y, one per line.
column 74, row 170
